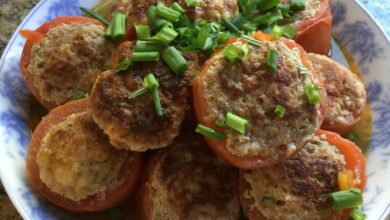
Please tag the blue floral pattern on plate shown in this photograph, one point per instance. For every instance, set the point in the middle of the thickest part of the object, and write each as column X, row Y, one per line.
column 352, row 26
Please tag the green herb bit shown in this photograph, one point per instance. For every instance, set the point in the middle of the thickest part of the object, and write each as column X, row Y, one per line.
column 138, row 92
column 95, row 15
column 208, row 132
column 81, row 95
column 166, row 35
column 245, row 50
column 285, row 9
column 280, row 111
column 277, row 31
column 108, row 33
column 124, row 65
column 192, row 3
column 104, row 7
column 249, row 27
column 313, row 94
column 262, row 19
column 156, row 100
column 230, row 26
column 143, row 31
column 303, row 70
column 177, row 7
column 167, row 13
column 297, row 5
column 195, row 75
column 272, row 60
column 238, row 21
column 274, row 18
column 148, row 46
column 236, row 122
column 145, row 56
column 151, row 81
column 118, row 26
column 354, row 137
column 232, row 53
column 357, row 214
column 174, row 60
column 266, row 5
column 289, row 31
column 183, row 21
column 204, row 41
column 252, row 40
column 221, row 124
column 346, row 199
column 153, row 18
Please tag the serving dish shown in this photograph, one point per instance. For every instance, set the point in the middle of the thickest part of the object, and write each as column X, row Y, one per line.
column 353, row 27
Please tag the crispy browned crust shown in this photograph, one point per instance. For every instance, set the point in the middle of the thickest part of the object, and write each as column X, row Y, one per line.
column 133, row 124
column 188, row 179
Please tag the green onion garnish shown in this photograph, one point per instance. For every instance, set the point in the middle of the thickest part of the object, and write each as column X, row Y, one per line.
column 81, row 95
column 206, row 131
column 303, row 70
column 266, row 5
column 177, row 7
column 274, row 18
column 245, row 51
column 174, row 60
column 277, row 31
column 153, row 18
column 249, row 27
column 235, row 122
column 167, row 13
column 118, row 26
column 138, row 92
column 156, row 100
column 143, row 31
column 145, row 56
column 262, row 19
column 124, row 65
column 108, row 33
column 192, row 3
column 151, row 81
column 204, row 40
column 252, row 40
column 285, row 9
column 148, row 46
column 280, row 111
column 297, row 5
column 289, row 31
column 230, row 26
column 272, row 60
column 232, row 53
column 313, row 94
column 166, row 35
column 346, row 199
column 357, row 214
column 221, row 124
column 354, row 137
column 95, row 15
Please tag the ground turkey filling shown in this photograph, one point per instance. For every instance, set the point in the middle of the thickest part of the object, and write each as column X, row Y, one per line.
column 69, row 59
column 76, row 160
column 249, row 90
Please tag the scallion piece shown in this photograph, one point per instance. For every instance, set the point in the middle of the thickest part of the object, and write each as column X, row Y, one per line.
column 118, row 26
column 177, row 7
column 166, row 35
column 238, row 21
column 235, row 122
column 285, row 9
column 274, row 18
column 289, row 31
column 303, row 70
column 221, row 124
column 95, row 15
column 151, row 81
column 230, row 26
column 204, row 40
column 156, row 100
column 208, row 132
column 138, row 92
column 280, row 111
column 232, row 53
column 143, row 31
column 192, row 3
column 252, row 40
column 272, row 60
column 108, row 33
column 81, row 95
column 266, row 5
column 277, row 31
column 153, row 18
column 174, row 60
column 297, row 5
column 357, row 214
column 262, row 19
column 124, row 65
column 245, row 51
column 346, row 199
column 167, row 13
column 145, row 56
column 148, row 46
column 313, row 94
column 249, row 27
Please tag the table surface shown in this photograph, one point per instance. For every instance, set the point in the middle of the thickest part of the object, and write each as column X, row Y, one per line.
column 12, row 12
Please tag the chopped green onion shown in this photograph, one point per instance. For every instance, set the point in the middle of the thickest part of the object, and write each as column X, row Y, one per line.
column 177, row 7
column 230, row 26
column 104, row 7
column 297, row 5
column 262, row 19
column 232, row 53
column 248, row 7
column 81, row 95
column 346, row 199
column 151, row 81
column 285, row 9
column 289, row 31
column 303, row 70
column 153, row 18
column 156, row 100
column 272, row 60
column 280, row 111
column 195, row 75
column 235, row 122
column 249, row 27
column 143, row 31
column 354, row 137
column 274, row 18
column 204, row 41
column 145, row 56
column 95, row 15
column 277, row 31
column 238, row 21
column 245, row 50
column 124, row 65
column 313, row 94
column 138, row 92
column 174, row 60
column 266, row 5
column 221, row 124
column 183, row 21
column 252, row 40
column 148, row 46
column 118, row 26
column 166, row 35
column 206, row 131
column 357, row 214
column 108, row 33
column 192, row 3
column 167, row 13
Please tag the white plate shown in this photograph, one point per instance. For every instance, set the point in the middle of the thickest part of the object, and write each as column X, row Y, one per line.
column 352, row 25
